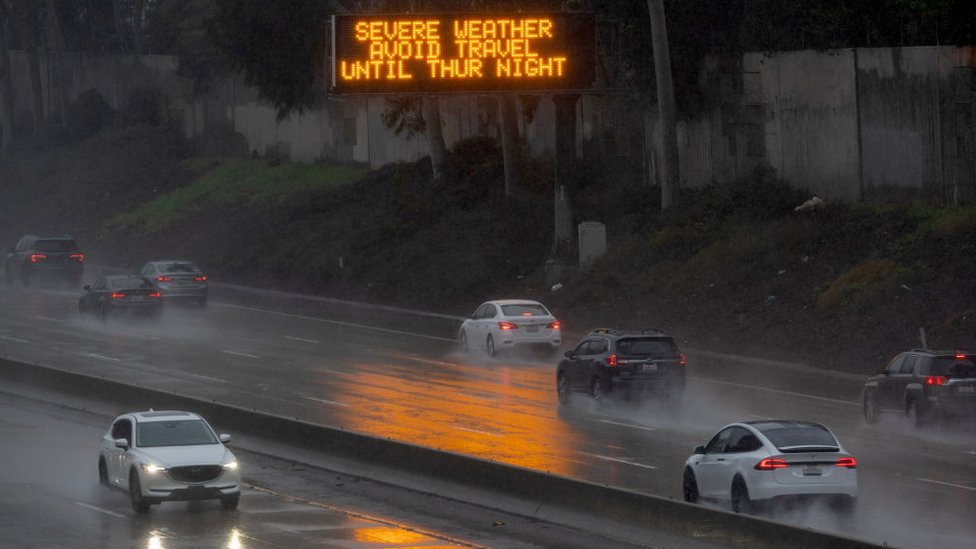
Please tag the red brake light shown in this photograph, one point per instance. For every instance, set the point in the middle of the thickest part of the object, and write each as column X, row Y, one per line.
column 37, row 257
column 507, row 326
column 769, row 464
column 848, row 462
column 960, row 356
column 77, row 257
column 554, row 325
column 612, row 360
column 683, row 360
column 155, row 294
column 163, row 279
column 201, row 278
column 936, row 380
column 117, row 295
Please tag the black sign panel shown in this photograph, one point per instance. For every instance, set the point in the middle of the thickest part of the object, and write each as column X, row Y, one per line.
column 440, row 53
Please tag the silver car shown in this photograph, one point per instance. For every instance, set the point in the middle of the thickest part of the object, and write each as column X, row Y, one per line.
column 178, row 280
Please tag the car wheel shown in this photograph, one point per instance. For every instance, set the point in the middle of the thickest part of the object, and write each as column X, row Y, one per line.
column 562, row 387
column 229, row 503
column 25, row 279
column 740, row 497
column 597, row 389
column 101, row 313
column 139, row 503
column 463, row 341
column 102, row 471
column 689, row 486
column 490, row 346
column 916, row 417
column 81, row 307
column 9, row 276
column 870, row 408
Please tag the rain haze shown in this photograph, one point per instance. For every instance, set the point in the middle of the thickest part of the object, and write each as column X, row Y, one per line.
column 451, row 274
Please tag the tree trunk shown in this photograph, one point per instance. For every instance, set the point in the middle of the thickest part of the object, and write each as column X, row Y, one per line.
column 6, row 83
column 435, row 134
column 665, row 103
column 37, row 92
column 565, row 172
column 119, row 25
column 58, row 72
column 510, row 142
column 137, row 27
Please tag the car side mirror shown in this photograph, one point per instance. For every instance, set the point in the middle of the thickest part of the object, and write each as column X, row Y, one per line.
column 87, row 288
column 122, row 443
column 224, row 438
column 568, row 354
column 699, row 449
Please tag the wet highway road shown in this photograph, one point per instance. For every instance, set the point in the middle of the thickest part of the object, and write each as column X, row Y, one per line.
column 399, row 381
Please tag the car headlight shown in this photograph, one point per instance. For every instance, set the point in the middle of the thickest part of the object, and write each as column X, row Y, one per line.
column 151, row 468
column 230, row 466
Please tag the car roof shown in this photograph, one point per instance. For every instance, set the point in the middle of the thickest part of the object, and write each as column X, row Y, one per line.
column 165, row 261
column 768, row 424
column 515, row 302
column 163, row 415
column 124, row 276
column 940, row 352
column 650, row 332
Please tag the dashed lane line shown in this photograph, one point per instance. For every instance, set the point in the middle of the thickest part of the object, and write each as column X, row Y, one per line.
column 302, row 339
column 778, row 391
column 101, row 357
column 235, row 353
column 16, row 339
column 486, row 433
column 49, row 319
column 631, row 425
column 618, row 460
column 949, row 484
column 330, row 402
column 100, row 510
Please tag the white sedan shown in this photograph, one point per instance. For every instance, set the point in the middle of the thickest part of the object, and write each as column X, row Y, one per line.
column 753, row 463
column 168, row 456
column 508, row 323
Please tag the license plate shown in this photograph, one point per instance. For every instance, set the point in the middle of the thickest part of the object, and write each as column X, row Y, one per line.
column 532, row 329
column 649, row 368
column 137, row 298
column 812, row 470
column 967, row 389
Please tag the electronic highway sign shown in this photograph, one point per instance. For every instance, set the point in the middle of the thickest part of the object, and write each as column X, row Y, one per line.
column 442, row 53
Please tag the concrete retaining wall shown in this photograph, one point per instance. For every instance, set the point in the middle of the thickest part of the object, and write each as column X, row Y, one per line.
column 544, row 496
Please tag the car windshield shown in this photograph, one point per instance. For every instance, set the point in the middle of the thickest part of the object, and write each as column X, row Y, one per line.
column 524, row 309
column 178, row 268
column 174, row 433
column 945, row 366
column 646, row 346
column 56, row 245
column 799, row 437
column 130, row 284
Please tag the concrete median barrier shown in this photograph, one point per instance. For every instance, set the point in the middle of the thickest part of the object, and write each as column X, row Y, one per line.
column 618, row 513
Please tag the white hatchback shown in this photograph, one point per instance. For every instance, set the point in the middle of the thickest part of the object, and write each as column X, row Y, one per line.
column 753, row 463
column 168, row 456
column 508, row 323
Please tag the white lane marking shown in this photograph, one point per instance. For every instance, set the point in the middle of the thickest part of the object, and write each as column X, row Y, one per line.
column 101, row 357
column 323, row 401
column 235, row 353
column 208, row 378
column 791, row 393
column 973, row 452
column 17, row 339
column 49, row 319
column 302, row 339
column 337, row 322
column 100, row 510
column 476, row 397
column 496, row 435
column 618, row 460
column 632, row 426
column 949, row 484
column 133, row 334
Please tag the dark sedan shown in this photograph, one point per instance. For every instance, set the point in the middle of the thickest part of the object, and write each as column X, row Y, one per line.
column 111, row 295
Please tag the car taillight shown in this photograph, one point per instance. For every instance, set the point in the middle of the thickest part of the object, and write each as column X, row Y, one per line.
column 155, row 294
column 848, row 462
column 554, row 325
column 117, row 295
column 612, row 360
column 683, row 360
column 769, row 464
column 507, row 326
column 201, row 278
column 77, row 257
column 37, row 257
column 936, row 380
column 960, row 356
column 163, row 279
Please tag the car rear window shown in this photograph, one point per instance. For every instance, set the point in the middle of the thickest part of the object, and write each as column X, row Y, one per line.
column 56, row 245
column 179, row 268
column 799, row 437
column 130, row 284
column 655, row 346
column 524, row 309
column 953, row 367
column 173, row 433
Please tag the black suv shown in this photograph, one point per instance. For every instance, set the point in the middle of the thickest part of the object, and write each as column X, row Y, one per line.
column 924, row 385
column 631, row 363
column 44, row 256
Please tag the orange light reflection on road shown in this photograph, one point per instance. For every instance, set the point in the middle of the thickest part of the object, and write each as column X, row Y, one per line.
column 439, row 411
column 389, row 535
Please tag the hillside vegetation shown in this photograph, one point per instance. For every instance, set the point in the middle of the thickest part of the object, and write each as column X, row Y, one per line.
column 731, row 268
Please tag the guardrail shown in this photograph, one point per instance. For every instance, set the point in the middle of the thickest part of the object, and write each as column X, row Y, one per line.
column 618, row 513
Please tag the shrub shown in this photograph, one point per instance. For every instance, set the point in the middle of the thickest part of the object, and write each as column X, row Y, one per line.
column 88, row 115
column 864, row 284
column 146, row 106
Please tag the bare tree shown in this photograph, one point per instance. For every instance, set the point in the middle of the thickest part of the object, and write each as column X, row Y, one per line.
column 6, row 85
column 665, row 103
column 58, row 69
column 435, row 134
